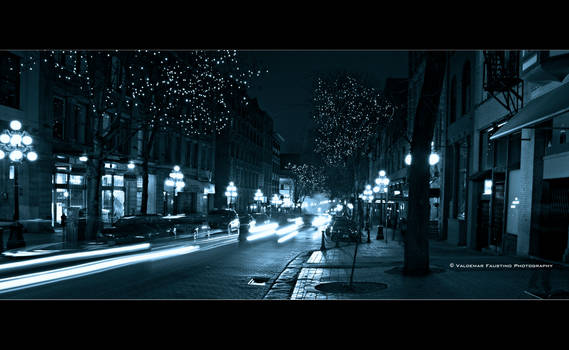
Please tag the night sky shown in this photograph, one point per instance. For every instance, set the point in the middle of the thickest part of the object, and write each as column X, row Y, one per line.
column 286, row 90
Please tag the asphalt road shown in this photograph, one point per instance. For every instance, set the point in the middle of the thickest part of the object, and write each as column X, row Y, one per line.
column 215, row 268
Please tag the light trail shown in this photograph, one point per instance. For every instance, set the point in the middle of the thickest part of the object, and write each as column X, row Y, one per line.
column 263, row 228
column 262, row 234
column 287, row 237
column 74, row 256
column 262, row 231
column 287, row 229
column 41, row 278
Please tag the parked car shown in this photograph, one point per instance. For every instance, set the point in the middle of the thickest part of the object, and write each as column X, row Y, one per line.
column 188, row 224
column 138, row 227
column 343, row 229
column 225, row 219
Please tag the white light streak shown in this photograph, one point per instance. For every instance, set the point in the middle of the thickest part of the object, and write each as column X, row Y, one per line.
column 287, row 237
column 70, row 257
column 35, row 279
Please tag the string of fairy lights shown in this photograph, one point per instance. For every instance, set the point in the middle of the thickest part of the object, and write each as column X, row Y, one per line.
column 195, row 91
column 347, row 112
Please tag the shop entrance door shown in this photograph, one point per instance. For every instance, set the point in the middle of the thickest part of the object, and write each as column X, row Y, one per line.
column 555, row 220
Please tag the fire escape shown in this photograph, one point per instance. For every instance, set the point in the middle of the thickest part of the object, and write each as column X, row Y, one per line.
column 502, row 79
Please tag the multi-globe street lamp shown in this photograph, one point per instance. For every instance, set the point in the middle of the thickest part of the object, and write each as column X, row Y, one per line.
column 276, row 201
column 17, row 145
column 381, row 186
column 176, row 181
column 367, row 197
column 258, row 198
column 231, row 194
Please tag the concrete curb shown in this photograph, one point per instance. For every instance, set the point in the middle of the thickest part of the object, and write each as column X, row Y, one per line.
column 284, row 284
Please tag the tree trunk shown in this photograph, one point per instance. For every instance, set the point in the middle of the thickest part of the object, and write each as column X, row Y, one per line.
column 94, row 174
column 416, row 254
column 146, row 148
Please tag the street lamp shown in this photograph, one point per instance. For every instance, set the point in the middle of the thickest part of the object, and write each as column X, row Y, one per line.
column 176, row 181
column 17, row 144
column 276, row 201
column 382, row 183
column 231, row 193
column 434, row 158
column 258, row 199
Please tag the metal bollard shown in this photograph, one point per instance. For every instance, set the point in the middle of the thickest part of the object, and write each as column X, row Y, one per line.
column 379, row 232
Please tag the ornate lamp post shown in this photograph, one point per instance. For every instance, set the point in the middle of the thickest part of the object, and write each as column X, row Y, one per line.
column 176, row 181
column 258, row 199
column 367, row 197
column 231, row 194
column 382, row 183
column 276, row 201
column 17, row 145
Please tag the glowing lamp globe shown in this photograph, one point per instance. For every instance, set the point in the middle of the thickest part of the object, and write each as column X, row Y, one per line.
column 434, row 159
column 16, row 155
column 32, row 156
column 15, row 125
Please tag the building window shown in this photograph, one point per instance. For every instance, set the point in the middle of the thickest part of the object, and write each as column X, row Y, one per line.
column 195, row 156
column 452, row 115
column 188, row 161
column 58, row 117
column 466, row 88
column 562, row 137
column 9, row 80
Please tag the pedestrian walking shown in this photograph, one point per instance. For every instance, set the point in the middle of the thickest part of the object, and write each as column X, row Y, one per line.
column 368, row 229
column 63, row 220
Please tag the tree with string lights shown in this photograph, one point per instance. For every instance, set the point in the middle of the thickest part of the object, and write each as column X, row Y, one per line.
column 189, row 93
column 347, row 111
column 155, row 90
column 308, row 179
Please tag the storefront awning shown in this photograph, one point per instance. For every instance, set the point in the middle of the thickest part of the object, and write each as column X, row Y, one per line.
column 538, row 110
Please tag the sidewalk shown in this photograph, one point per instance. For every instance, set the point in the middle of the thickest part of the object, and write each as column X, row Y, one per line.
column 456, row 273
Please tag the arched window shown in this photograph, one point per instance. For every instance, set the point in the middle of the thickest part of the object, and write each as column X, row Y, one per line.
column 452, row 114
column 466, row 88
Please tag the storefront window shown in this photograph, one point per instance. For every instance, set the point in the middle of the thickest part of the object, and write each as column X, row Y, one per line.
column 462, row 182
column 119, row 180
column 76, row 179
column 61, row 178
column 107, row 180
column 113, row 205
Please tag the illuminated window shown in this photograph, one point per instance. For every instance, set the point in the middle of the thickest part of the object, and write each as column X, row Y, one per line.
column 76, row 179
column 487, row 186
column 60, row 178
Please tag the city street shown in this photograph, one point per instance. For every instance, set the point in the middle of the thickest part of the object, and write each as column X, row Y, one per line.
column 220, row 268
column 223, row 174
